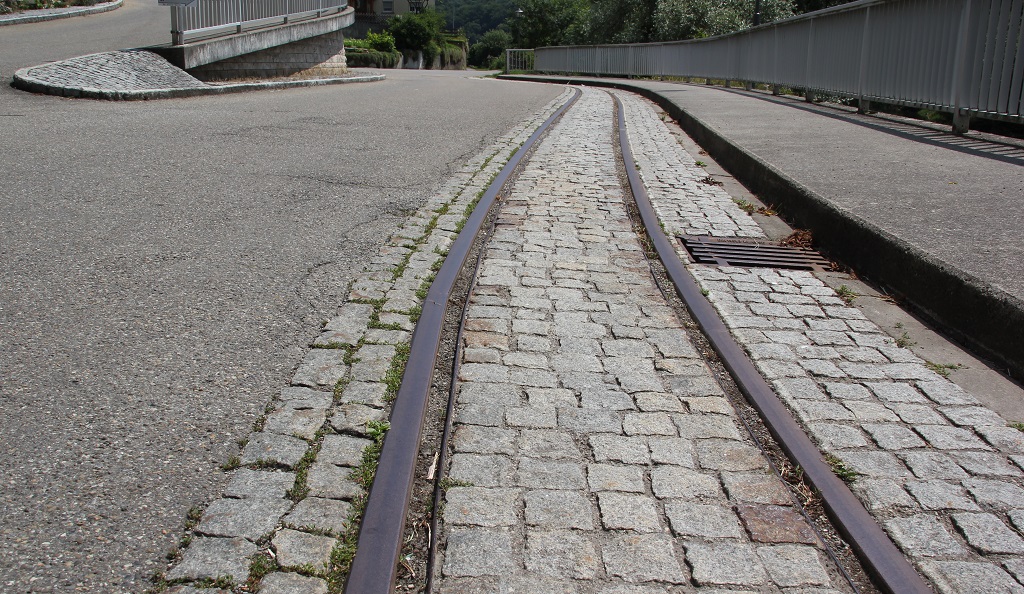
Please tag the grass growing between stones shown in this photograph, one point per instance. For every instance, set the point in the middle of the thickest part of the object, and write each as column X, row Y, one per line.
column 846, row 294
column 260, row 566
column 904, row 341
column 345, row 549
column 943, row 369
column 393, row 378
column 300, row 489
column 844, row 472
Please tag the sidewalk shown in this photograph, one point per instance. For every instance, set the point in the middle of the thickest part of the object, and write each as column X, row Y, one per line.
column 51, row 14
column 596, row 452
column 932, row 215
column 588, row 427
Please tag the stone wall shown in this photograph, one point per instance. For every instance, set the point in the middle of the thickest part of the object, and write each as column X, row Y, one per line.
column 323, row 55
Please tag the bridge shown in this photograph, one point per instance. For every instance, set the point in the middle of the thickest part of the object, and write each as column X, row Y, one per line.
column 167, row 265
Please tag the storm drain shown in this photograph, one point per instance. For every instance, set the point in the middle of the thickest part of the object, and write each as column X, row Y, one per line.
column 752, row 253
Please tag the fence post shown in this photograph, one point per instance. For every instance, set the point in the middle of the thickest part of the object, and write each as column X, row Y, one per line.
column 808, row 93
column 241, row 17
column 961, row 118
column 177, row 37
column 863, row 106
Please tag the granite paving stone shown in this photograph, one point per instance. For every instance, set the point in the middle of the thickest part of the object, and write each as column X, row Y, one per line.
column 248, row 518
column 294, row 549
column 875, row 405
column 561, row 554
column 211, row 558
column 988, row 534
column 292, row 583
column 595, row 438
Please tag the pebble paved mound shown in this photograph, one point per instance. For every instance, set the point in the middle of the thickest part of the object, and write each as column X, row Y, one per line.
column 120, row 71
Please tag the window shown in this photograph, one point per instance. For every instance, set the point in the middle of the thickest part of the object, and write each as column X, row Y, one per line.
column 389, row 6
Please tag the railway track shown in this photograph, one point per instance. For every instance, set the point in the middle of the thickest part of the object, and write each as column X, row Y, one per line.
column 540, row 519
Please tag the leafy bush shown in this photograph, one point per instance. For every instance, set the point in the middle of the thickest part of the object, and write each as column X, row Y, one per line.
column 357, row 43
column 413, row 31
column 492, row 44
column 430, row 52
column 381, row 42
column 368, row 58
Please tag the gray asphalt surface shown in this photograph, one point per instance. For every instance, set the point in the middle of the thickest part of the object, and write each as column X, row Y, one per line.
column 162, row 267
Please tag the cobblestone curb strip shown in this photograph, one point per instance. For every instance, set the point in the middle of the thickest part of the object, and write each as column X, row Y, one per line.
column 939, row 471
column 594, row 451
column 136, row 75
column 983, row 316
column 374, row 569
column 52, row 14
column 289, row 517
column 877, row 553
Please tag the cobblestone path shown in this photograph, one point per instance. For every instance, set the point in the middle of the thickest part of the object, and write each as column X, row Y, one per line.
column 124, row 70
column 291, row 496
column 940, row 472
column 594, row 451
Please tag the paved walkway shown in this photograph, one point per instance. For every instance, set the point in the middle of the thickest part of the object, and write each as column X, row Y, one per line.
column 595, row 451
column 931, row 214
column 50, row 14
column 939, row 471
column 596, row 446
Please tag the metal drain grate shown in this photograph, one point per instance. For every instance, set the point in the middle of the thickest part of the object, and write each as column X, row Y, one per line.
column 752, row 253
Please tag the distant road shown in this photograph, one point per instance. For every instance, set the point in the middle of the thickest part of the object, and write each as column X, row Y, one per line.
column 162, row 266
column 137, row 23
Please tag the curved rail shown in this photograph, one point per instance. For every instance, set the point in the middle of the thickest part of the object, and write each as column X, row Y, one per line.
column 881, row 558
column 375, row 566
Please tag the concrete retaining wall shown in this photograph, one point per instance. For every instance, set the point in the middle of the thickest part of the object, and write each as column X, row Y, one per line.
column 323, row 55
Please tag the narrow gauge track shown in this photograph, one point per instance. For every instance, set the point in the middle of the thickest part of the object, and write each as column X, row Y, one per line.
column 375, row 567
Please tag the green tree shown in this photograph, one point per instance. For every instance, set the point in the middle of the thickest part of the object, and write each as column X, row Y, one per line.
column 416, row 31
column 621, row 21
column 546, row 22
column 491, row 45
column 695, row 19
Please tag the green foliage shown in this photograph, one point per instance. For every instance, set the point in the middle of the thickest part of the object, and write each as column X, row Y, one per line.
column 476, row 17
column 548, row 22
column 694, row 19
column 366, row 58
column 491, row 45
column 414, row 31
column 430, row 52
column 381, row 42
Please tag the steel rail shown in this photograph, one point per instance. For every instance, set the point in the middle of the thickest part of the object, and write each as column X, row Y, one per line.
column 375, row 566
column 880, row 557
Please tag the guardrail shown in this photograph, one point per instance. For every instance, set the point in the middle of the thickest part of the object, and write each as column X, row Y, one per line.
column 519, row 59
column 965, row 57
column 203, row 19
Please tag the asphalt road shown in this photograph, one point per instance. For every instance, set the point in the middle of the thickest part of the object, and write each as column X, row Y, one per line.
column 162, row 267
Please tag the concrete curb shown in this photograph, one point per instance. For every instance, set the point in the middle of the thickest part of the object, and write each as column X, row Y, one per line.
column 974, row 313
column 53, row 16
column 25, row 82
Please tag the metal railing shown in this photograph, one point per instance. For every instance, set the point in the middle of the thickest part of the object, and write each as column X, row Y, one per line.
column 965, row 57
column 519, row 59
column 203, row 19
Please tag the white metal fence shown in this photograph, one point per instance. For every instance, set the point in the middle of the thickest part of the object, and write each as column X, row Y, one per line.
column 519, row 59
column 960, row 56
column 201, row 19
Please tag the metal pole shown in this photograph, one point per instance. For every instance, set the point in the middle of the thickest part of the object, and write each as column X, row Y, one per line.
column 862, row 105
column 961, row 119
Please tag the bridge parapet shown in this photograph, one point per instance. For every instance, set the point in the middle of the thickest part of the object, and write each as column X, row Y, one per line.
column 965, row 57
column 269, row 46
column 202, row 19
